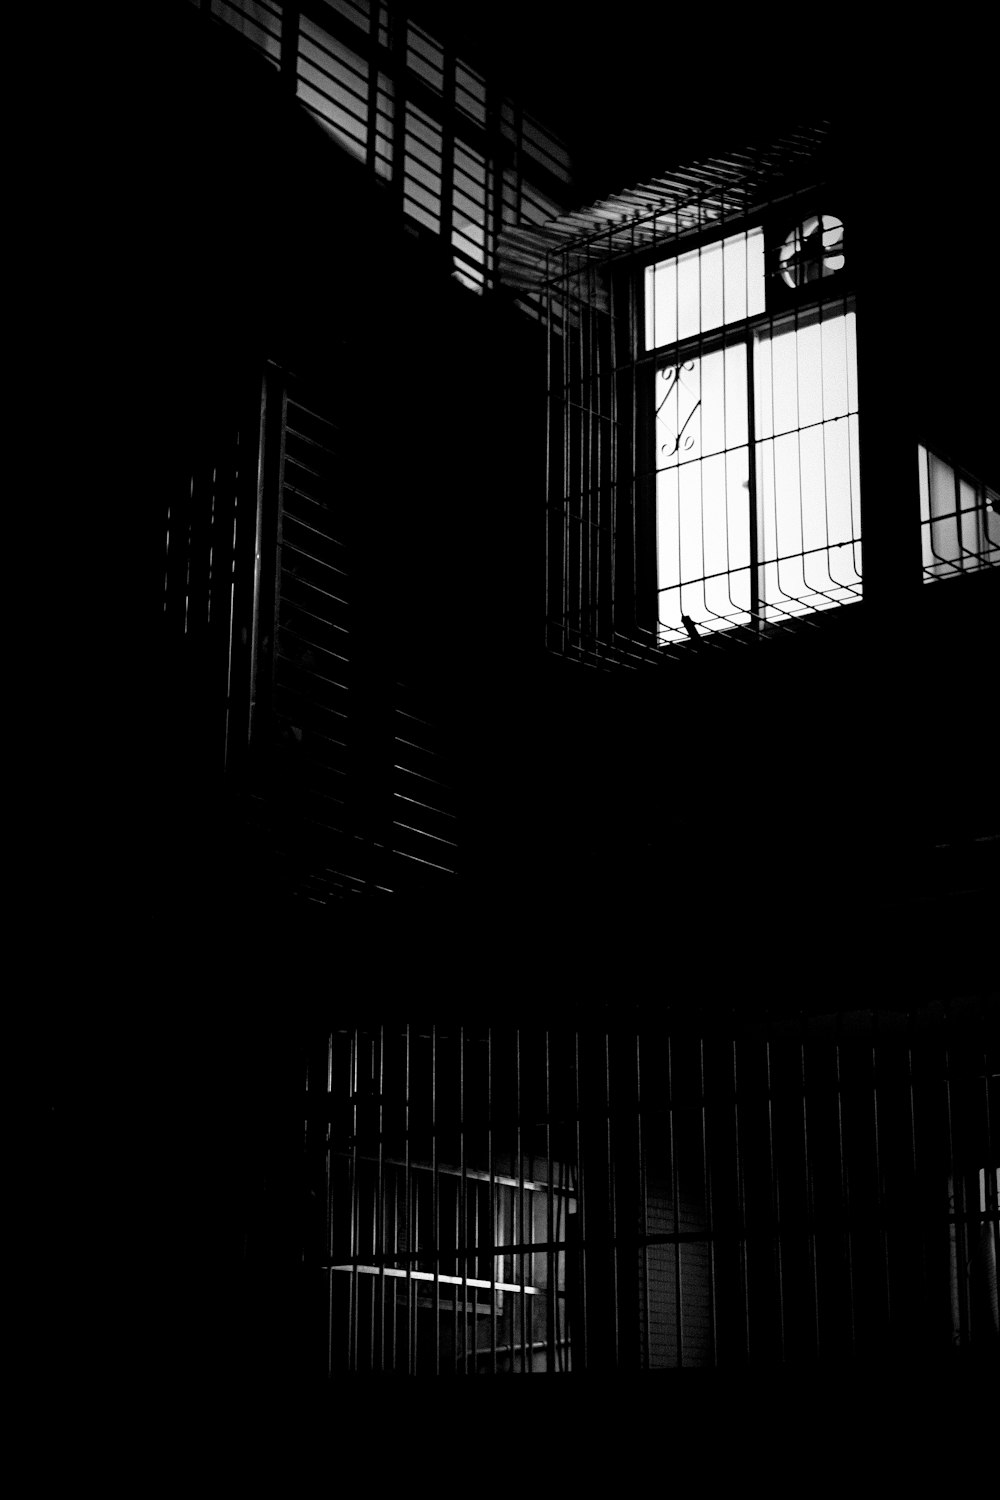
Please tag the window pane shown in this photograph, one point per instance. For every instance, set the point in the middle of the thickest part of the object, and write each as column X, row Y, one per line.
column 703, row 543
column 705, row 289
column 807, row 472
column 703, row 511
column 959, row 520
column 701, row 406
column 805, row 373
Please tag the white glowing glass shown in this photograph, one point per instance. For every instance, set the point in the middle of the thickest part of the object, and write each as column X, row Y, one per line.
column 807, row 465
column 807, row 524
column 960, row 519
column 705, row 289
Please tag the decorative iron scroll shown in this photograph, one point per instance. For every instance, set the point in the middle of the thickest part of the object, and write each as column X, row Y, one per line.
column 672, row 376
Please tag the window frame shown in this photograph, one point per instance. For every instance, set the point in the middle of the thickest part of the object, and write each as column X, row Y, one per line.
column 784, row 307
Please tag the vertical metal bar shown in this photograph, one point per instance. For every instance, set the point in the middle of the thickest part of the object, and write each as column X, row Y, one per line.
column 845, row 1198
column 596, row 482
column 586, row 422
column 493, row 1198
column 518, row 1235
column 755, row 518
column 566, row 380
column 632, row 498
column 270, row 399
column 328, row 1205
column 551, row 1278
column 776, row 1204
column 879, row 1183
column 581, row 1215
column 549, row 418
column 701, row 411
column 612, row 1207
column 397, row 43
column 459, row 1262
column 959, row 1329
column 409, row 1241
column 356, row 1203
column 373, row 1077
column 373, row 71
column 380, row 1188
column 560, row 1319
column 398, row 1210
column 477, row 1208
column 809, row 1199
column 643, row 1208
column 915, row 1185
column 530, row 1301
column 709, row 1217
column 435, row 1231
column 416, row 1259
column 990, row 1205
column 675, row 1194
column 741, row 1204
column 463, row 1208
column 495, row 162
column 353, row 1351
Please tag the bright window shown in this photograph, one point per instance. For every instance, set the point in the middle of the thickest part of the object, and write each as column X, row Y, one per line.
column 959, row 520
column 705, row 289
column 756, row 434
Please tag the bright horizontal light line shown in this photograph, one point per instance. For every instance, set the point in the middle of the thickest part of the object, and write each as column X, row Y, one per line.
column 496, row 1286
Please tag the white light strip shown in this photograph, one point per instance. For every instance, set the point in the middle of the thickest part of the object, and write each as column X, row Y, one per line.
column 496, row 1286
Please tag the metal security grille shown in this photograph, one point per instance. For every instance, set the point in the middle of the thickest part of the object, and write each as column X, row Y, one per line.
column 738, row 1195
column 959, row 519
column 447, row 1202
column 704, row 455
column 460, row 156
column 360, row 788
column 336, row 760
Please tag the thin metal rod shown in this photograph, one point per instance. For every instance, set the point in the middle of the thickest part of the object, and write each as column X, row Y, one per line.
column 845, row 1198
column 675, row 1195
column 462, row 1200
column 643, row 1208
column 352, row 1328
column 741, row 1204
column 492, row 1221
column 409, row 1237
column 551, row 1274
column 435, row 1231
column 880, row 1183
column 776, row 1204
column 709, row 1216
column 612, row 1213
column 580, row 1250
column 809, row 1200
column 380, row 1198
column 518, row 1228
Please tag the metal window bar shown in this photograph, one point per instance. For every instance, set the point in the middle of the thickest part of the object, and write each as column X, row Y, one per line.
column 823, row 1194
column 355, row 67
column 826, row 581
